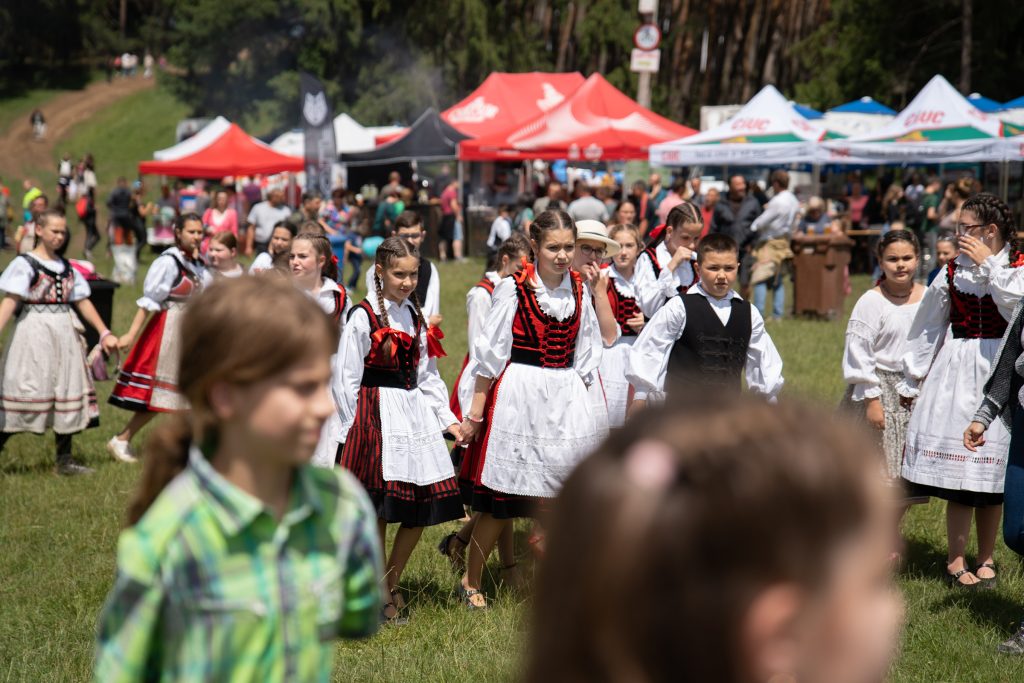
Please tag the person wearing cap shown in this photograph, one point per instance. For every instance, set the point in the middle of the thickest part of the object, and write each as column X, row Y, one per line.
column 668, row 268
column 593, row 246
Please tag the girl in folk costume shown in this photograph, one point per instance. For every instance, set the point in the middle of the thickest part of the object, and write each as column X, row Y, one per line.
column 314, row 270
column 148, row 382
column 44, row 382
column 394, row 410
column 592, row 247
column 629, row 318
column 530, row 405
column 670, row 267
column 951, row 344
column 876, row 339
column 278, row 251
column 512, row 255
column 222, row 255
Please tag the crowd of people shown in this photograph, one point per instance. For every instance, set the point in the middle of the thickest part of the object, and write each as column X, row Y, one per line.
column 600, row 396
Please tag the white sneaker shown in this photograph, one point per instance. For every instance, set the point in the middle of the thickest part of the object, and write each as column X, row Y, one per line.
column 121, row 450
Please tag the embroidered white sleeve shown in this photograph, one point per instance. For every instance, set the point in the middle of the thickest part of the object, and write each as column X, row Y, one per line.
column 925, row 337
column 648, row 357
column 492, row 348
column 352, row 349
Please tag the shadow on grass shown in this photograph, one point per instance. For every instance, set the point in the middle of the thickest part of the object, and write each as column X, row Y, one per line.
column 989, row 607
column 923, row 559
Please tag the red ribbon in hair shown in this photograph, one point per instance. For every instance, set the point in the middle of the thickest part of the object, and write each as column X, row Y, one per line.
column 525, row 273
column 1019, row 261
column 397, row 337
column 434, row 337
column 334, row 259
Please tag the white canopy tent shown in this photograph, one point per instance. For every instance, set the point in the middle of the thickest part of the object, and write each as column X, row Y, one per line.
column 201, row 140
column 349, row 136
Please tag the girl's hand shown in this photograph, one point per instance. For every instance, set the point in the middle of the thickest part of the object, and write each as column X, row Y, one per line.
column 600, row 285
column 469, row 431
column 435, row 319
column 974, row 436
column 637, row 322
column 682, row 254
column 975, row 249
column 124, row 343
column 873, row 412
column 455, row 429
column 109, row 343
column 590, row 274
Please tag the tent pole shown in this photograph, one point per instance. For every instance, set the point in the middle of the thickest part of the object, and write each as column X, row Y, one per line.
column 816, row 180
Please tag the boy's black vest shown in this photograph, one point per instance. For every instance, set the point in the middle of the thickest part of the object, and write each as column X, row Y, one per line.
column 423, row 284
column 710, row 354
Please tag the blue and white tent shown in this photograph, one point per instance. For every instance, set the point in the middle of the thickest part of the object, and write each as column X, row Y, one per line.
column 985, row 104
column 858, row 117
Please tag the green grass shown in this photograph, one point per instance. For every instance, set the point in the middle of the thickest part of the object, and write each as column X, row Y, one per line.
column 58, row 536
column 22, row 104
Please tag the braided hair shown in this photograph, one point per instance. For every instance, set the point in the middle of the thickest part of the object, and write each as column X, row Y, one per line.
column 322, row 246
column 682, row 213
column 990, row 209
column 389, row 250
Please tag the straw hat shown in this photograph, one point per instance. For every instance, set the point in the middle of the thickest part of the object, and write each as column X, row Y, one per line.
column 595, row 231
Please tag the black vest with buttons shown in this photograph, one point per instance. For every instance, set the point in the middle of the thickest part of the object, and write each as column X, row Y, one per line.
column 708, row 353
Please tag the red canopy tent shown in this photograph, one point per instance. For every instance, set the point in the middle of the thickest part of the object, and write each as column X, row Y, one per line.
column 235, row 153
column 505, row 101
column 597, row 122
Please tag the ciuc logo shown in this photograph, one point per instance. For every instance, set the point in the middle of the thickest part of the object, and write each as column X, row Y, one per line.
column 314, row 108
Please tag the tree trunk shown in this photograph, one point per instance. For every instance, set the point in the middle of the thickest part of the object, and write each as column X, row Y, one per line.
column 750, row 50
column 966, row 44
column 564, row 34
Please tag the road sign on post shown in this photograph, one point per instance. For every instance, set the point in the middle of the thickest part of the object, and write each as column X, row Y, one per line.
column 647, row 6
column 645, row 61
column 647, row 37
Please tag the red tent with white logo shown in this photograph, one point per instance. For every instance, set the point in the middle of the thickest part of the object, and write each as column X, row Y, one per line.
column 231, row 153
column 597, row 122
column 505, row 100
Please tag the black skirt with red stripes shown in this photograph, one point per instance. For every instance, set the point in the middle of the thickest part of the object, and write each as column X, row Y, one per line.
column 397, row 502
column 480, row 498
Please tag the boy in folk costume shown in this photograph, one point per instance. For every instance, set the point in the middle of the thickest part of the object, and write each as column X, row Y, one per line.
column 707, row 338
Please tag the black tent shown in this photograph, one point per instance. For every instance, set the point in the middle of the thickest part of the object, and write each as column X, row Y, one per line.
column 428, row 139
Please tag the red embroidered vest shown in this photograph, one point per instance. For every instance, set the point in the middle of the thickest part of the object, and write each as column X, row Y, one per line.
column 971, row 316
column 537, row 338
column 397, row 369
column 625, row 307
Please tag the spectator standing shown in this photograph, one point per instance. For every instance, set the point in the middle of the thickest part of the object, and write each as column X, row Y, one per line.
column 640, row 199
column 501, row 229
column 25, row 235
column 387, row 212
column 309, row 210
column 655, row 195
column 696, row 198
column 587, row 206
column 733, row 216
column 772, row 235
column 523, row 214
column 147, row 65
column 38, row 122
column 451, row 221
column 930, row 201
column 625, row 214
column 394, row 183
column 552, row 200
column 221, row 217
column 673, row 199
column 856, row 202
column 707, row 207
column 262, row 219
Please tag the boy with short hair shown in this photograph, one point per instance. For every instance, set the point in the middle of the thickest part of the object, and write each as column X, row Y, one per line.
column 667, row 269
column 708, row 337
column 409, row 226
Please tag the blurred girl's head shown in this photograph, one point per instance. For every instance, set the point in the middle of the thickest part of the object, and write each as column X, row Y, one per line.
column 726, row 540
column 281, row 238
column 627, row 212
column 270, row 391
column 898, row 253
column 220, row 200
column 628, row 237
column 222, row 251
column 553, row 239
column 188, row 232
column 509, row 259
column 945, row 250
column 312, row 259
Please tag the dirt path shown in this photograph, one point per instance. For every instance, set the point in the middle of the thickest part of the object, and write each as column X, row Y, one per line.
column 21, row 154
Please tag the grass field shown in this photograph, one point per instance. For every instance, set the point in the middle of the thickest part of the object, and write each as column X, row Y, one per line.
column 58, row 536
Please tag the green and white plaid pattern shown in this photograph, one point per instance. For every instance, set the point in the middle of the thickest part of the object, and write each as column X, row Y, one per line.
column 210, row 587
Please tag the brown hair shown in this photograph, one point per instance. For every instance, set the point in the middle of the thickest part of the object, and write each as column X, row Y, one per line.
column 408, row 219
column 391, row 249
column 226, row 311
column 718, row 243
column 765, row 493
column 615, row 229
column 322, row 246
column 227, row 238
column 552, row 219
column 684, row 212
column 517, row 244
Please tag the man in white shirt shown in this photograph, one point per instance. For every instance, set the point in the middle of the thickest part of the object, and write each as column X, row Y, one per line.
column 707, row 339
column 262, row 219
column 587, row 206
column 772, row 231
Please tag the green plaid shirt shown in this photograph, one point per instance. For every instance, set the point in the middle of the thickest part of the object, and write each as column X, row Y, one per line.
column 210, row 587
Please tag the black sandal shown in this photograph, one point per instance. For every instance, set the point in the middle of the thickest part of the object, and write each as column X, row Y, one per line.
column 458, row 562
column 467, row 595
column 953, row 580
column 987, row 584
column 397, row 619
